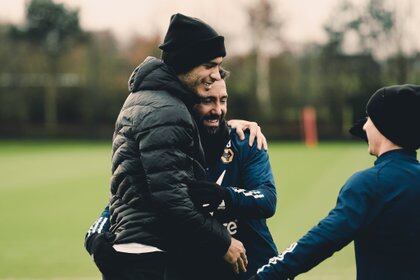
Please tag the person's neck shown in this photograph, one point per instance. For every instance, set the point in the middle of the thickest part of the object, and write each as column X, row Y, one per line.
column 387, row 146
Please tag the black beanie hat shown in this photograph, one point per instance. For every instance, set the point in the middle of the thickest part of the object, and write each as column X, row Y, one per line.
column 395, row 111
column 190, row 42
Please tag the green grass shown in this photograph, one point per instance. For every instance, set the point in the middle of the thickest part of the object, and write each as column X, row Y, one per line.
column 50, row 192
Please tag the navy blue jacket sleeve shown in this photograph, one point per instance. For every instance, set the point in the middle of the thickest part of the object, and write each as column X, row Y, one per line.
column 256, row 199
column 100, row 225
column 359, row 202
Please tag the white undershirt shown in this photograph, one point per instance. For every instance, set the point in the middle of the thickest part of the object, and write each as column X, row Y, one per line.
column 135, row 248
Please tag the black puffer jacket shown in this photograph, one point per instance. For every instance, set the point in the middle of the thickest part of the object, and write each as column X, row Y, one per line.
column 156, row 152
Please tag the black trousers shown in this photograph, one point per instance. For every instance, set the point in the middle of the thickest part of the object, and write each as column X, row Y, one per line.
column 162, row 266
column 150, row 266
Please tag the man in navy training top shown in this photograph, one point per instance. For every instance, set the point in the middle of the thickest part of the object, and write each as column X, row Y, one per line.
column 244, row 194
column 378, row 208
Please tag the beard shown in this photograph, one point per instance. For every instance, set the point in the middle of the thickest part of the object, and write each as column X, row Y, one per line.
column 213, row 139
column 206, row 130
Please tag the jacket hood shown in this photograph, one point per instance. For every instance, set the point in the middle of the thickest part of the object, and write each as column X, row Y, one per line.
column 154, row 74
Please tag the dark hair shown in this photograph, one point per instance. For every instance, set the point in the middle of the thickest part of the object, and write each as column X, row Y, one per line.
column 224, row 74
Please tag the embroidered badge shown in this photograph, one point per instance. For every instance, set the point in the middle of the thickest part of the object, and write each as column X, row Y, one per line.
column 227, row 156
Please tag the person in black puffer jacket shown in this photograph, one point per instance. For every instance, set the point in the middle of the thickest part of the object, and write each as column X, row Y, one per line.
column 156, row 153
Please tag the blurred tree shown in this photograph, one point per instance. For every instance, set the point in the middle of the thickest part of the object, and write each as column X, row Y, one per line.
column 265, row 28
column 241, row 87
column 377, row 28
column 108, row 72
column 363, row 27
column 141, row 47
column 352, row 75
column 52, row 29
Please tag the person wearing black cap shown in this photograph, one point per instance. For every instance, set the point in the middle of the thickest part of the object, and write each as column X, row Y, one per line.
column 378, row 208
column 242, row 198
column 156, row 155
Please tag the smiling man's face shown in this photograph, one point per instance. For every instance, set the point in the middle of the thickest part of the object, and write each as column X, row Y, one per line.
column 203, row 75
column 213, row 105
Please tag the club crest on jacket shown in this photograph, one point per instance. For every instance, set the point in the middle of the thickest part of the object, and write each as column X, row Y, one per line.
column 227, row 155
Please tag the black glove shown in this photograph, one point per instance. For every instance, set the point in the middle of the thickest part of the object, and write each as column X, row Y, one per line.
column 99, row 245
column 207, row 196
column 102, row 224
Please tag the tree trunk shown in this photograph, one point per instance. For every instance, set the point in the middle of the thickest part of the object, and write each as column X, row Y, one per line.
column 401, row 69
column 263, row 82
column 50, row 100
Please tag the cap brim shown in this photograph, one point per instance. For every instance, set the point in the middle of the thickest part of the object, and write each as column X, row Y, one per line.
column 357, row 129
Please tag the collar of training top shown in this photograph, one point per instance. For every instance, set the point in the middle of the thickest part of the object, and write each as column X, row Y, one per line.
column 398, row 153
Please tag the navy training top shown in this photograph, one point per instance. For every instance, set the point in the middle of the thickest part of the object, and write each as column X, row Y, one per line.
column 246, row 172
column 378, row 208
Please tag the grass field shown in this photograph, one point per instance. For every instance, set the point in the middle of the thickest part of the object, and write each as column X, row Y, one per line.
column 50, row 192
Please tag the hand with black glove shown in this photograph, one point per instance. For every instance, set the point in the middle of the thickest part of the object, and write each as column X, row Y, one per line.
column 99, row 246
column 208, row 196
column 102, row 224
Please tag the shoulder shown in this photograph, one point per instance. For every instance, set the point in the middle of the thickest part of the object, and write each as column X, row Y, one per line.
column 148, row 108
column 242, row 146
column 153, row 98
column 365, row 175
column 395, row 173
column 236, row 142
column 363, row 181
